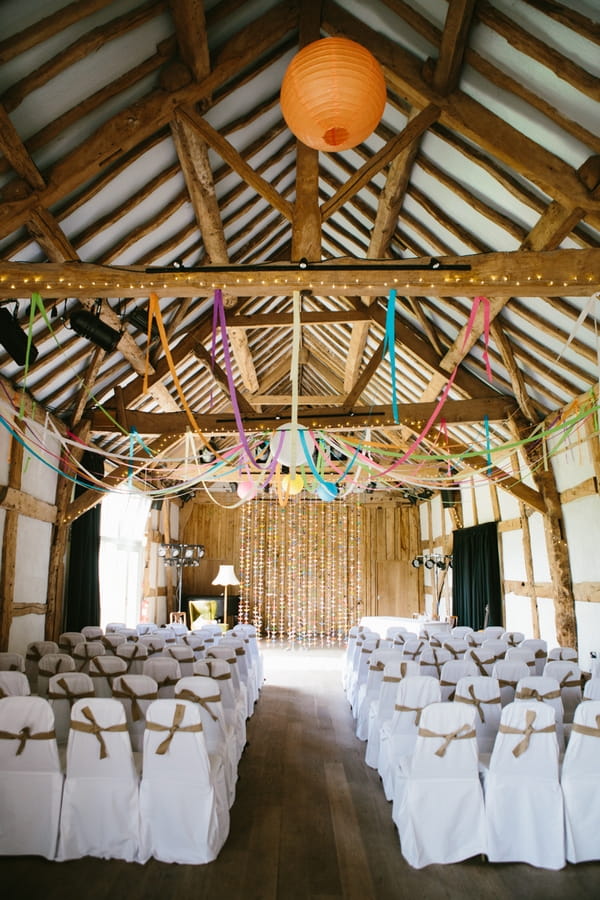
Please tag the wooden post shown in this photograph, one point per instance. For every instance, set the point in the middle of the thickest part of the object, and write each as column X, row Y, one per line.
column 9, row 547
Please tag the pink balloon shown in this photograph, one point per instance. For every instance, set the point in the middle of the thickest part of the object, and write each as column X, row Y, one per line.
column 247, row 489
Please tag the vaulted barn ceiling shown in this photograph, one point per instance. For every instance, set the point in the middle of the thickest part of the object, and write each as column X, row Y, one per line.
column 144, row 149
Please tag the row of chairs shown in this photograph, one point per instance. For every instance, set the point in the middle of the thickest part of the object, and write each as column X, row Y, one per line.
column 177, row 812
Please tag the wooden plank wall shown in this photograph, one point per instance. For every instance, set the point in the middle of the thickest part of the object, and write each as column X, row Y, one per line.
column 391, row 540
column 218, row 529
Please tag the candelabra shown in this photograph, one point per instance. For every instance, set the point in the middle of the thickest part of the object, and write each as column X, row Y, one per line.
column 180, row 556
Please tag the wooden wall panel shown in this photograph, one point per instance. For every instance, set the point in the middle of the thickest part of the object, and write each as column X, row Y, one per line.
column 219, row 530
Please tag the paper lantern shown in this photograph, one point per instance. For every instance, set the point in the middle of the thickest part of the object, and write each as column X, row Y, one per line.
column 327, row 491
column 286, row 443
column 333, row 94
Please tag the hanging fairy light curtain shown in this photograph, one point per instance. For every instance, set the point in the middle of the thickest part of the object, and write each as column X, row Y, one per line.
column 301, row 574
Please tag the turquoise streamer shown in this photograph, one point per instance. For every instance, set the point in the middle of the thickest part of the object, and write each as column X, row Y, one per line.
column 389, row 344
column 488, row 444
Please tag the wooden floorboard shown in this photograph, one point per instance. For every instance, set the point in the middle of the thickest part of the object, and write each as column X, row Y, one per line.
column 310, row 822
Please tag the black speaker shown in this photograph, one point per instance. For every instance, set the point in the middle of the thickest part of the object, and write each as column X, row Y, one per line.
column 90, row 326
column 14, row 339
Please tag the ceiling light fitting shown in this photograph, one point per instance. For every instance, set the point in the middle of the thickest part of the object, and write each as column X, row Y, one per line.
column 90, row 326
column 14, row 339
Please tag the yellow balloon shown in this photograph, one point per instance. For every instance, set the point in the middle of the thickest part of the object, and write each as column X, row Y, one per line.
column 293, row 485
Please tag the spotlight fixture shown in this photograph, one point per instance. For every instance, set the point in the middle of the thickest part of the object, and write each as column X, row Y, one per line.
column 14, row 339
column 433, row 560
column 417, row 562
column 89, row 325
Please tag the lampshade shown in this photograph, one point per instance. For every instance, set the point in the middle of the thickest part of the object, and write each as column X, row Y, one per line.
column 285, row 443
column 226, row 575
column 333, row 94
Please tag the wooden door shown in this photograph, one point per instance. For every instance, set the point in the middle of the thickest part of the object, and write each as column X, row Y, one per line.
column 397, row 588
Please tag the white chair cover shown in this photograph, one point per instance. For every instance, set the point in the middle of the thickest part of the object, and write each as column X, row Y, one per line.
column 461, row 631
column 509, row 673
column 111, row 641
column 581, row 785
column 49, row 665
column 218, row 732
column 547, row 690
column 360, row 671
column 382, row 709
column 440, row 814
column 135, row 655
column 220, row 670
column 493, row 632
column 154, row 643
column 146, row 628
column 100, row 808
column 402, row 637
column 68, row 640
column 184, row 656
column 92, row 632
column 103, row 670
column 31, row 780
column 14, row 684
column 12, row 662
column 196, row 644
column 524, row 806
column 84, row 652
column 63, row 691
column 393, row 630
column 239, row 687
column 33, row 654
column 457, row 647
column 369, row 690
column 166, row 673
column 413, row 648
column 452, row 671
column 496, row 647
column 513, row 638
column 563, row 653
column 398, row 735
column 181, row 820
column 248, row 634
column 113, row 627
column 136, row 693
column 540, row 649
column 483, row 693
column 246, row 670
column 591, row 690
column 568, row 675
column 522, row 654
column 432, row 660
column 483, row 660
column 475, row 638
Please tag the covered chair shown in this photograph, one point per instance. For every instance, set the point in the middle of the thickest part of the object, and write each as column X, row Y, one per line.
column 166, row 673
column 493, row 632
column 523, row 799
column 568, row 675
column 31, row 780
column 34, row 652
column 591, row 690
column 92, row 632
column 484, row 694
column 103, row 670
column 220, row 671
column 483, row 659
column 14, row 684
column 63, row 691
column 567, row 654
column 440, row 816
column 184, row 656
column 513, row 638
column 154, row 643
column 546, row 690
column 12, row 662
column 461, row 631
column 100, row 810
column 84, row 652
column 218, row 730
column 399, row 734
column 580, row 782
column 457, row 647
column 135, row 655
column 452, row 671
column 369, row 691
column 136, row 693
column 49, row 665
column 196, row 644
column 540, row 650
column 68, row 640
column 413, row 648
column 111, row 642
column 181, row 818
column 383, row 709
column 509, row 673
column 432, row 660
column 523, row 655
column 239, row 686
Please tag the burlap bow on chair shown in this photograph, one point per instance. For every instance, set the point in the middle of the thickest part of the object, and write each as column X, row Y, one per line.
column 463, row 733
column 172, row 729
column 92, row 727
column 527, row 732
column 476, row 701
column 25, row 735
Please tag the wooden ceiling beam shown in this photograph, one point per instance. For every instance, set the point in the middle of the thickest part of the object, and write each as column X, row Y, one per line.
column 453, row 44
column 455, row 411
column 521, row 273
column 273, row 319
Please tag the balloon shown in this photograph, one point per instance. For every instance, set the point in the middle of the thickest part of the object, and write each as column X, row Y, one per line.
column 247, row 489
column 293, row 485
column 327, row 491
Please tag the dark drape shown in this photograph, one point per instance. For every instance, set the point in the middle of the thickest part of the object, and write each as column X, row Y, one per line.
column 476, row 583
column 82, row 606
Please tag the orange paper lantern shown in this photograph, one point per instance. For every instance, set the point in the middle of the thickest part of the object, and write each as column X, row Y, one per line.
column 333, row 94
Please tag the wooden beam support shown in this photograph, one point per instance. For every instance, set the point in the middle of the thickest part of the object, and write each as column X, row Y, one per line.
column 9, row 546
column 503, row 275
column 26, row 505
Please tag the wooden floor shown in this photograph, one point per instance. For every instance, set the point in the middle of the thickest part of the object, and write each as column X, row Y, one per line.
column 310, row 821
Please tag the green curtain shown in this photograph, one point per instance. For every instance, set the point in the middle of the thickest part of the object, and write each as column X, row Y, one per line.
column 82, row 606
column 476, row 582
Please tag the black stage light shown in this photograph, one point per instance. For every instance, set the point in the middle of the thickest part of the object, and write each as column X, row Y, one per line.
column 91, row 327
column 14, row 339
